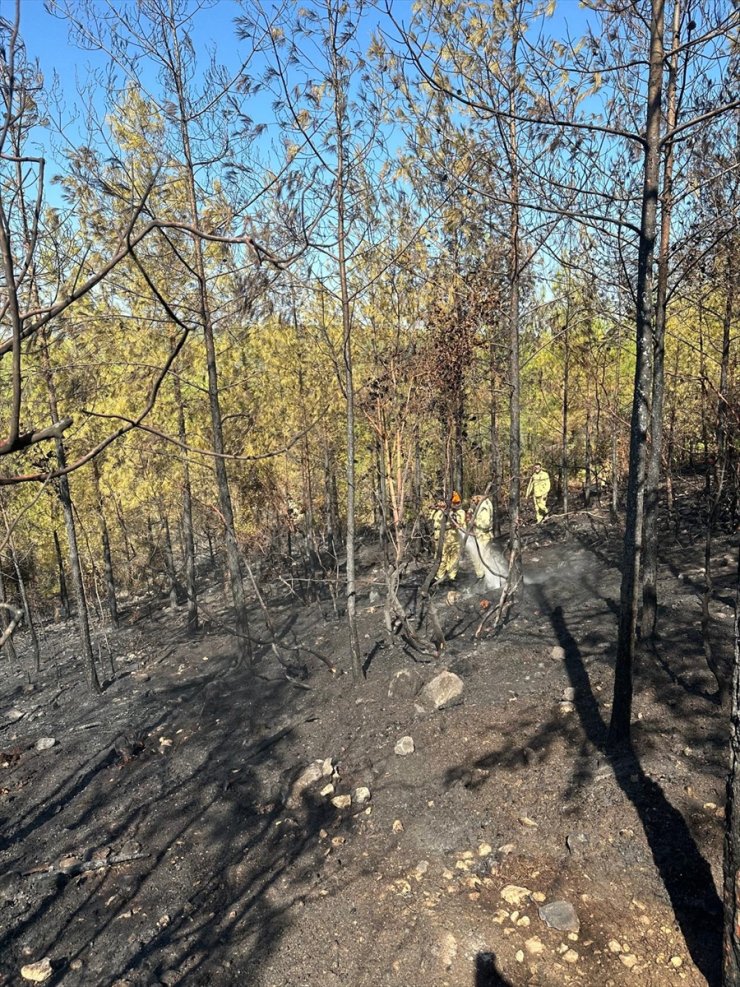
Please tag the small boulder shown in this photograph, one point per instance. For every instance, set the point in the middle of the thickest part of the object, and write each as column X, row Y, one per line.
column 515, row 895
column 560, row 915
column 37, row 972
column 404, row 747
column 308, row 776
column 558, row 653
column 405, row 684
column 443, row 691
column 342, row 801
column 45, row 743
column 361, row 795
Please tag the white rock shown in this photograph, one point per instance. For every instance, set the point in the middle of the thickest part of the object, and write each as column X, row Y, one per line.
column 361, row 795
column 342, row 801
column 404, row 746
column 515, row 895
column 444, row 690
column 534, row 946
column 37, row 972
column 557, row 653
column 45, row 743
column 309, row 776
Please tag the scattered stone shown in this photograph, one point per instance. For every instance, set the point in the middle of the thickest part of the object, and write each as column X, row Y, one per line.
column 45, row 744
column 37, row 972
column 342, row 801
column 373, row 597
column 515, row 895
column 406, row 684
column 534, row 946
column 519, row 956
column 397, row 826
column 565, row 709
column 361, row 795
column 560, row 915
column 485, row 850
column 139, row 675
column 539, row 897
column 676, row 962
column 76, row 964
column 569, row 695
column 506, row 849
column 570, row 956
column 500, row 916
column 13, row 715
column 576, row 843
column 526, row 821
column 523, row 922
column 448, row 950
column 308, row 776
column 327, row 768
column 327, row 790
column 628, row 959
column 421, row 868
column 443, row 691
column 404, row 747
column 614, row 946
column 557, row 653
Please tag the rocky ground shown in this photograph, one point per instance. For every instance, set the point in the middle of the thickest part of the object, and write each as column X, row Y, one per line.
column 200, row 824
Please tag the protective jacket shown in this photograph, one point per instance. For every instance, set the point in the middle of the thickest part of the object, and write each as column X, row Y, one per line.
column 539, row 484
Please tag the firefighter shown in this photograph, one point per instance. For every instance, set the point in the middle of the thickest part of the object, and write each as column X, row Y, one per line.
column 481, row 517
column 539, row 487
column 455, row 515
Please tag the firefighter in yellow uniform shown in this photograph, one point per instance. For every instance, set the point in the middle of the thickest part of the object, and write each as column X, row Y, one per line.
column 481, row 515
column 539, row 488
column 450, row 560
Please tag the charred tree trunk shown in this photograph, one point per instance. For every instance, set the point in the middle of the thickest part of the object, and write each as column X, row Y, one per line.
column 497, row 479
column 566, row 393
column 169, row 559
column 5, row 621
column 233, row 561
column 587, row 464
column 63, row 594
column 26, row 607
column 110, row 583
column 630, row 594
column 650, row 579
column 186, row 520
column 65, row 498
column 340, row 116
column 731, row 958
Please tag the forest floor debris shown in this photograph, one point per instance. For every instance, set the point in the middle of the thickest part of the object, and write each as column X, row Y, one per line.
column 509, row 849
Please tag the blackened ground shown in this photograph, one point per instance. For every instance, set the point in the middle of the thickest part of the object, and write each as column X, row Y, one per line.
column 181, row 772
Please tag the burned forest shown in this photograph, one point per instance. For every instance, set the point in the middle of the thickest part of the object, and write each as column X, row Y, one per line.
column 369, row 475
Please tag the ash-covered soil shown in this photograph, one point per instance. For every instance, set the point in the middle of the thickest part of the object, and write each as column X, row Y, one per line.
column 162, row 839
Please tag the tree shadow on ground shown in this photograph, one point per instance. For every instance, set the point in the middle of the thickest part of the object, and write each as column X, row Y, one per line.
column 486, row 974
column 225, row 866
column 685, row 873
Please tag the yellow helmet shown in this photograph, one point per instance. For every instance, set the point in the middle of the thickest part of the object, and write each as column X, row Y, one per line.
column 455, row 500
